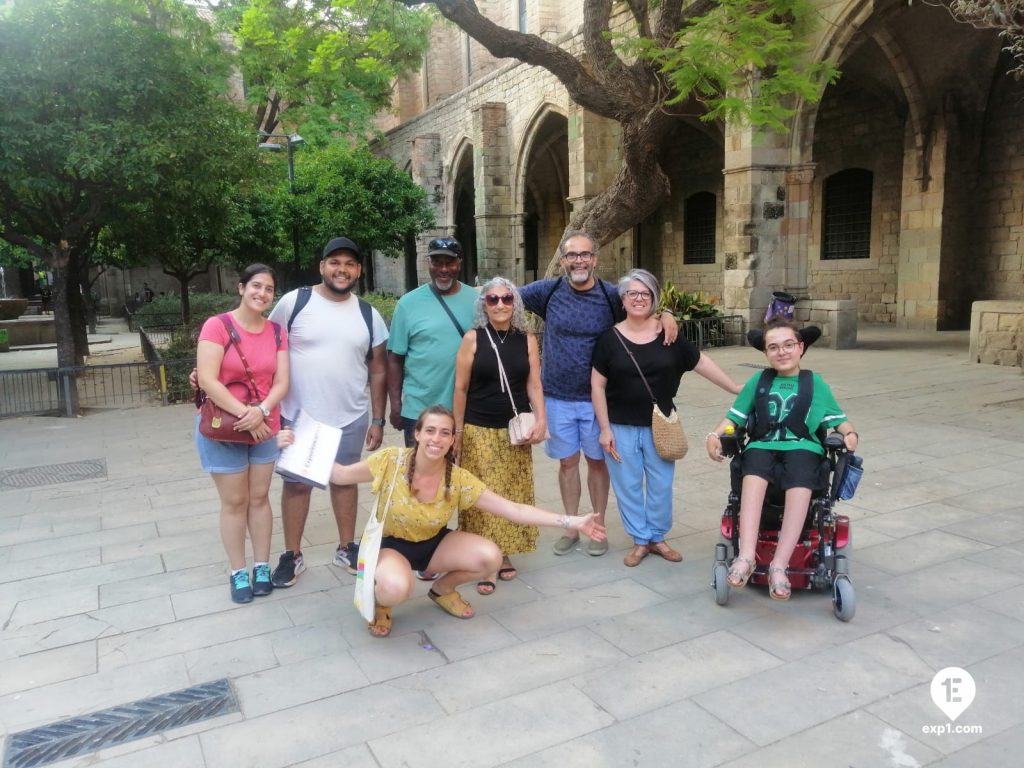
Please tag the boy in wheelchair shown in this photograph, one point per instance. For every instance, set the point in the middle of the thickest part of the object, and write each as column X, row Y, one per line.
column 786, row 413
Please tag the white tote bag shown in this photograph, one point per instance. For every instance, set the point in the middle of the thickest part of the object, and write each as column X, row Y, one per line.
column 369, row 551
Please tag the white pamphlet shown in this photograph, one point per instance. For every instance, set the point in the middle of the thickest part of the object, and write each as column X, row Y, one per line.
column 310, row 458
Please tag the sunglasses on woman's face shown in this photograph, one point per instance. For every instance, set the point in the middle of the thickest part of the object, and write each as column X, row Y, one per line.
column 492, row 299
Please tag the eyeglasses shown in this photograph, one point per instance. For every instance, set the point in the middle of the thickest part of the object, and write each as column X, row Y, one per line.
column 445, row 244
column 642, row 295
column 492, row 299
column 581, row 256
column 786, row 346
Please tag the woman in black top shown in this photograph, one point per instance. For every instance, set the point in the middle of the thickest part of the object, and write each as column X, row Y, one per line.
column 483, row 406
column 642, row 480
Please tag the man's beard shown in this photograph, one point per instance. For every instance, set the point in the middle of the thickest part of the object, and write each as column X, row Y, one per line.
column 339, row 291
column 579, row 277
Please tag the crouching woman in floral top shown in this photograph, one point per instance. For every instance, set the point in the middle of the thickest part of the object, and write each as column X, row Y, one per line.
column 428, row 489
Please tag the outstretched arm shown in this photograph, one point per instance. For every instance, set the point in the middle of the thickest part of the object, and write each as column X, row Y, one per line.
column 709, row 369
column 524, row 514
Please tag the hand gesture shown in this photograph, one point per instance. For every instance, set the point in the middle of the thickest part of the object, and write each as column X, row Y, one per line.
column 249, row 420
column 588, row 525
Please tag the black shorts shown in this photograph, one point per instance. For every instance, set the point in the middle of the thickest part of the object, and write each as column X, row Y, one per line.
column 418, row 553
column 786, row 469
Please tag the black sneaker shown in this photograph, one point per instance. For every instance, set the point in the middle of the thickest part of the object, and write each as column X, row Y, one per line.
column 347, row 557
column 241, row 590
column 289, row 566
column 261, row 584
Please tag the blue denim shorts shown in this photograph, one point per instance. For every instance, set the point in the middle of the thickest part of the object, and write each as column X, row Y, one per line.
column 572, row 428
column 228, row 458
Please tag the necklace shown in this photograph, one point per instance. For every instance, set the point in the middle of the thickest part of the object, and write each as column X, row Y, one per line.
column 498, row 333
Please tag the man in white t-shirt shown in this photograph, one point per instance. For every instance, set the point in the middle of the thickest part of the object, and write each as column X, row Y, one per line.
column 332, row 355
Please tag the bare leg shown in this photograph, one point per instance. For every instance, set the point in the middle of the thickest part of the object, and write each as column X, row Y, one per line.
column 463, row 557
column 344, row 499
column 294, row 511
column 233, row 490
column 798, row 501
column 751, row 502
column 260, row 517
column 570, row 487
column 393, row 579
column 598, row 483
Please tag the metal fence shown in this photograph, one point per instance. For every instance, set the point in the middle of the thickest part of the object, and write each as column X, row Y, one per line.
column 721, row 331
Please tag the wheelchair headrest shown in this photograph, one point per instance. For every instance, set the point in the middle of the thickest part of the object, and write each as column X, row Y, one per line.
column 808, row 335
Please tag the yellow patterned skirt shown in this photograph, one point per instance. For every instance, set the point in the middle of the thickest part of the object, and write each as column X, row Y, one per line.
column 507, row 470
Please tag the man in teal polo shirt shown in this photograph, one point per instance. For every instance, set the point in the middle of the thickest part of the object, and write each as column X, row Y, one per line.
column 426, row 330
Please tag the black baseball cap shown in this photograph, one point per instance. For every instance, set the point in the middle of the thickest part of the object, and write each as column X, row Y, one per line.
column 343, row 244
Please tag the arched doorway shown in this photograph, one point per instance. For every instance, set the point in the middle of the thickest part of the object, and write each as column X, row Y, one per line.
column 543, row 191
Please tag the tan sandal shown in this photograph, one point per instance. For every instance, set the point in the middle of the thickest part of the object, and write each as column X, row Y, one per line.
column 661, row 549
column 381, row 624
column 738, row 579
column 636, row 554
column 452, row 603
column 779, row 589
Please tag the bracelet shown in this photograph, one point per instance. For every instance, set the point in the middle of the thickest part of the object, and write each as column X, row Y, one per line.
column 709, row 435
column 457, row 432
column 564, row 521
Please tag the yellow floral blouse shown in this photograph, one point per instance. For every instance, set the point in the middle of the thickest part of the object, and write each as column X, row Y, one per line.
column 408, row 517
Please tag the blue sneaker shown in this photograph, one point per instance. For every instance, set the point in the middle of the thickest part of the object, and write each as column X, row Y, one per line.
column 241, row 590
column 261, row 583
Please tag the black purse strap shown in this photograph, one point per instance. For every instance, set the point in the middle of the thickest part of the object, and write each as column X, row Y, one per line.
column 642, row 377
column 447, row 309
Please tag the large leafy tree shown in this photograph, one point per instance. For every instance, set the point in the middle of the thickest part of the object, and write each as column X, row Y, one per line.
column 347, row 191
column 322, row 67
column 100, row 100
column 1006, row 16
column 739, row 60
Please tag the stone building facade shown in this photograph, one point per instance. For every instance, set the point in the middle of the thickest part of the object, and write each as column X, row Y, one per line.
column 901, row 190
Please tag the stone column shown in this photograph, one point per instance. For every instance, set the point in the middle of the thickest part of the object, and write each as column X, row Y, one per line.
column 755, row 247
column 427, row 172
column 492, row 180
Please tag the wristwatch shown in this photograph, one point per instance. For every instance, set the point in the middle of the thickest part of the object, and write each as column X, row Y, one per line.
column 264, row 410
column 377, row 422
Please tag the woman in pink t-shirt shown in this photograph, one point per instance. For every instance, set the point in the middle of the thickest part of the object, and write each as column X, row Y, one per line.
column 242, row 472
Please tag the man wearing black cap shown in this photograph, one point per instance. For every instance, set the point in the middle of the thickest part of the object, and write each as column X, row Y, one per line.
column 426, row 330
column 335, row 343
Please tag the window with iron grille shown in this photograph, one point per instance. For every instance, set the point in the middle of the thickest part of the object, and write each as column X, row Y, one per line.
column 699, row 212
column 847, row 219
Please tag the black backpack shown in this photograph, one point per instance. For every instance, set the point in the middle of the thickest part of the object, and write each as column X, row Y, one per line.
column 760, row 424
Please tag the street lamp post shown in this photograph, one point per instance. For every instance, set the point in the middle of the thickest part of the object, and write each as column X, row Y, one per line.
column 291, row 141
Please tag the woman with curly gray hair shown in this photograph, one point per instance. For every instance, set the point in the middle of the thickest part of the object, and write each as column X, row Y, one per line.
column 497, row 374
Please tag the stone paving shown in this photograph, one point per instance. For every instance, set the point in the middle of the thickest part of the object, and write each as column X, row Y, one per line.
column 115, row 589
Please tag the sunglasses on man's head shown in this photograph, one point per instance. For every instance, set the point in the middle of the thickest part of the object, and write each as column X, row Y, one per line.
column 444, row 244
column 492, row 299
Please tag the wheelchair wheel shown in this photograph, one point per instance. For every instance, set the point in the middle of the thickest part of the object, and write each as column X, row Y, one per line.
column 719, row 580
column 844, row 599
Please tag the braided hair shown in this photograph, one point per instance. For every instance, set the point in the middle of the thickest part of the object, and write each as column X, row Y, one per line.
column 449, row 458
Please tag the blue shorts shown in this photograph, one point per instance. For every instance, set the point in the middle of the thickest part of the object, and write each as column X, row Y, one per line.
column 350, row 449
column 228, row 458
column 572, row 427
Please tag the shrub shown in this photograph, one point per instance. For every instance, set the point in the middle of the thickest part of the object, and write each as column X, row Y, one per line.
column 688, row 306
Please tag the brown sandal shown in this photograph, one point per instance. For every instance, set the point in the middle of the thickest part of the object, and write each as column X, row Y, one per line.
column 636, row 554
column 381, row 624
column 661, row 549
column 452, row 603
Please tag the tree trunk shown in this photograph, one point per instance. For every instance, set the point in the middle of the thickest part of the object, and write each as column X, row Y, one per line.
column 66, row 385
column 77, row 314
column 186, row 300
column 638, row 189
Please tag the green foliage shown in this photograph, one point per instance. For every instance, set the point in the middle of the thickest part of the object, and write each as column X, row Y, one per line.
column 745, row 61
column 162, row 310
column 322, row 66
column 688, row 306
column 384, row 303
column 343, row 190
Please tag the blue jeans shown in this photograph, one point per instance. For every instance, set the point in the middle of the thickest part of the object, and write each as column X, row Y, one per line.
column 643, row 484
